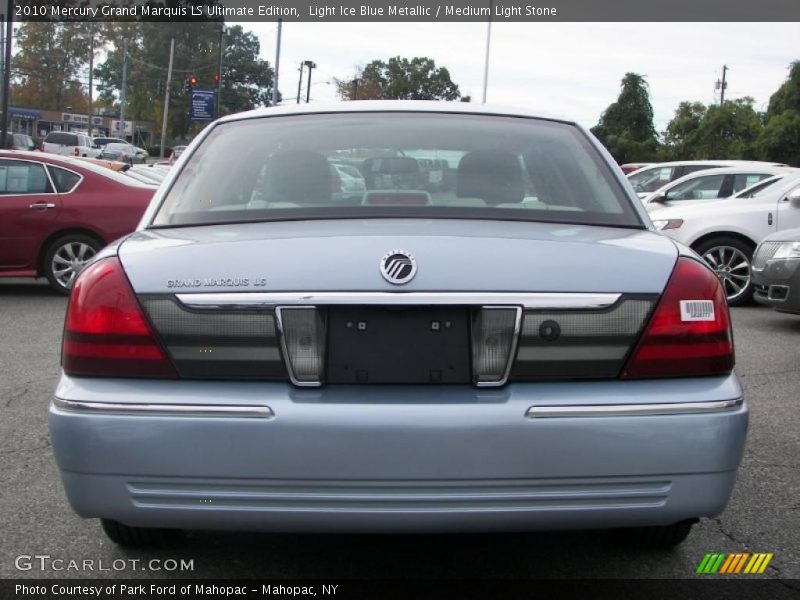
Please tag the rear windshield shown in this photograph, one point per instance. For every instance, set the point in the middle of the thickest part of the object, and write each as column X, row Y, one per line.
column 411, row 165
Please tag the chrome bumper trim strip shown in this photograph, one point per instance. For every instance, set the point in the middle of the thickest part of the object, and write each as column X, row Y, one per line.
column 633, row 410
column 251, row 300
column 172, row 410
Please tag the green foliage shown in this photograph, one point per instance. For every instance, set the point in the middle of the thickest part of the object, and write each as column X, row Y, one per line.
column 787, row 97
column 681, row 135
column 728, row 131
column 400, row 79
column 722, row 132
column 780, row 139
column 47, row 64
column 246, row 79
column 626, row 127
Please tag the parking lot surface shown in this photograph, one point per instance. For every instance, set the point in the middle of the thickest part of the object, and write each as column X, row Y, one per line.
column 763, row 516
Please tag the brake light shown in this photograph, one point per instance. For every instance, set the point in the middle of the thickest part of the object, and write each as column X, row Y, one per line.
column 689, row 333
column 106, row 333
column 76, row 152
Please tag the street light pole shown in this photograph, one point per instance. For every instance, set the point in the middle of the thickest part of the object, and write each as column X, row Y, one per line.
column 300, row 83
column 486, row 61
column 7, row 71
column 277, row 64
column 311, row 65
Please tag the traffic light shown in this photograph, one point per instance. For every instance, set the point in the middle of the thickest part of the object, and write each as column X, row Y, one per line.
column 192, row 80
column 216, row 77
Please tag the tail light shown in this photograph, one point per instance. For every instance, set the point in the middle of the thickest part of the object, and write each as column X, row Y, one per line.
column 689, row 333
column 76, row 152
column 106, row 333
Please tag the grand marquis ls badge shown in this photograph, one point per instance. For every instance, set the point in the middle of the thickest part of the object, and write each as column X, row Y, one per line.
column 398, row 267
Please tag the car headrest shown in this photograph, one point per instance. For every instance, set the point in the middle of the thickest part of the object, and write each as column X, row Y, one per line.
column 302, row 177
column 492, row 175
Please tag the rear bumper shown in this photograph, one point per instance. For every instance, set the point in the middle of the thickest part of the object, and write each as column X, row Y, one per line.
column 395, row 458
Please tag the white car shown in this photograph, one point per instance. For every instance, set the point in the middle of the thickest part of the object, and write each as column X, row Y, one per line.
column 649, row 179
column 68, row 143
column 711, row 184
column 726, row 232
column 349, row 185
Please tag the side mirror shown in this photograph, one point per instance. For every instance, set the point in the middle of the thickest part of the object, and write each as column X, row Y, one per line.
column 794, row 198
column 659, row 198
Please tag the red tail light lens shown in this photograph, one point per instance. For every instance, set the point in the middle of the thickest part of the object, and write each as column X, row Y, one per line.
column 106, row 333
column 689, row 333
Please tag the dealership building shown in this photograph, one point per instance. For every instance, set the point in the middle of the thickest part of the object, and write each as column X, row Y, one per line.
column 38, row 123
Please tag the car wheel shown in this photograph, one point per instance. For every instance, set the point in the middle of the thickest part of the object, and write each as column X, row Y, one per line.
column 66, row 257
column 731, row 260
column 655, row 538
column 125, row 535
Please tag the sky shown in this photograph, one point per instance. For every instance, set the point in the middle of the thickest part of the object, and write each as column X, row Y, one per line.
column 566, row 69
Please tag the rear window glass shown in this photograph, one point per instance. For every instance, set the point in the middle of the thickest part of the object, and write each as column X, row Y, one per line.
column 411, row 164
column 65, row 181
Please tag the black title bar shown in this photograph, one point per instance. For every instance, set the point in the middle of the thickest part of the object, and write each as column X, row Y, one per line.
column 410, row 10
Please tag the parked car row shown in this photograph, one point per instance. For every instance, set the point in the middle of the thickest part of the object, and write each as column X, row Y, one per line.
column 66, row 143
column 723, row 212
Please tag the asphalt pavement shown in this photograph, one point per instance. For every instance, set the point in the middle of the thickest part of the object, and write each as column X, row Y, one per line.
column 36, row 520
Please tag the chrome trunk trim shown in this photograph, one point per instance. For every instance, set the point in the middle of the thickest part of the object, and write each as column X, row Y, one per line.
column 269, row 300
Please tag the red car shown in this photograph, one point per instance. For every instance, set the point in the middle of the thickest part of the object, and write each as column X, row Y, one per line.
column 56, row 212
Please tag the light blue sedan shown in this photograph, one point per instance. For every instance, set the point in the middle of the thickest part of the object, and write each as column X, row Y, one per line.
column 516, row 350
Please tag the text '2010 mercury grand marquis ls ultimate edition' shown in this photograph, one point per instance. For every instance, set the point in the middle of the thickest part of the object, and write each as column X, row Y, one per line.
column 502, row 344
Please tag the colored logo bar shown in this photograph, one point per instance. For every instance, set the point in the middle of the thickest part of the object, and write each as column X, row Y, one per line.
column 735, row 563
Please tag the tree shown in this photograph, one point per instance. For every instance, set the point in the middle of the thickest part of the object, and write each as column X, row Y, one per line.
column 780, row 139
column 680, row 137
column 728, row 131
column 46, row 67
column 246, row 79
column 399, row 79
column 626, row 126
column 787, row 97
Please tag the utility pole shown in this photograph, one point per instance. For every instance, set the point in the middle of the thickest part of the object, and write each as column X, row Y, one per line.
column 219, row 72
column 166, row 96
column 7, row 71
column 122, row 95
column 300, row 83
column 311, row 65
column 355, row 88
column 723, row 86
column 277, row 64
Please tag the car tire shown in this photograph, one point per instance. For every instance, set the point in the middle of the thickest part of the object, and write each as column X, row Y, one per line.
column 125, row 535
column 60, row 253
column 722, row 253
column 660, row 537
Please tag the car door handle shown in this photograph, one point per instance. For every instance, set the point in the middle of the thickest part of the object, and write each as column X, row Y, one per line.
column 42, row 205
